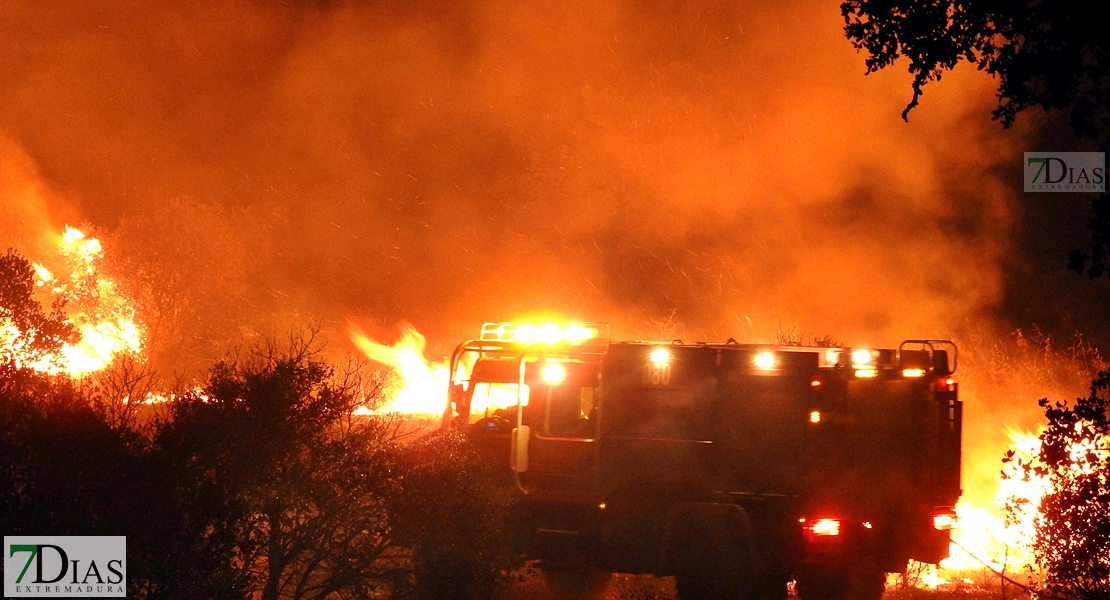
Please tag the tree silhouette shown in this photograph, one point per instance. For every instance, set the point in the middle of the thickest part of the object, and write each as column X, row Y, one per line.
column 274, row 478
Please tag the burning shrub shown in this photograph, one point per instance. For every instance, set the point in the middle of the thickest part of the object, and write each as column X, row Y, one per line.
column 1072, row 541
column 28, row 335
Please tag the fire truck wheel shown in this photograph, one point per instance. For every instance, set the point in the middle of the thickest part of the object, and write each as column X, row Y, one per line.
column 712, row 553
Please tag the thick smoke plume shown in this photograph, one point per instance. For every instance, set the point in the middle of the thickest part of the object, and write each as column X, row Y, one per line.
column 698, row 170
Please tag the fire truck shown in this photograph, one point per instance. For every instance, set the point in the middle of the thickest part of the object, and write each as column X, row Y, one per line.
column 736, row 468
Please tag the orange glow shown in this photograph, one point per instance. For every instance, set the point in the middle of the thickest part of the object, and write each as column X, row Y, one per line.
column 866, row 373
column 815, row 416
column 489, row 397
column 861, row 357
column 548, row 333
column 982, row 534
column 944, row 521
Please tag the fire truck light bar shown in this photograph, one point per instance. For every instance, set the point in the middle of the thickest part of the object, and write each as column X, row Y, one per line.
column 547, row 333
column 864, row 358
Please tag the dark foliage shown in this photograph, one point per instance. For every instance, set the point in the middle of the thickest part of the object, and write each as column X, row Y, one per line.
column 457, row 518
column 1094, row 259
column 1050, row 55
column 268, row 472
column 1045, row 54
column 1073, row 528
column 63, row 469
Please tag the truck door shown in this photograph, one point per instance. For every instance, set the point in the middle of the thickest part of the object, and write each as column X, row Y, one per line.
column 562, row 412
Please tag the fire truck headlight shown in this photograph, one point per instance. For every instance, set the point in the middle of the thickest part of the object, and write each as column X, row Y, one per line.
column 815, row 416
column 553, row 373
column 913, row 372
column 944, row 521
column 765, row 360
column 824, row 527
column 660, row 356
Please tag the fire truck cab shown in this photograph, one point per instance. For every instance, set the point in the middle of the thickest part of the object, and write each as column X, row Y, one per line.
column 734, row 467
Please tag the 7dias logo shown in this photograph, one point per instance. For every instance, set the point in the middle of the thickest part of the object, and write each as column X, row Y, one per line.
column 65, row 566
column 1065, row 172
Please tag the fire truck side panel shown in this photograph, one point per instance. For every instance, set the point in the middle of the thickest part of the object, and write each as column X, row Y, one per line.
column 761, row 423
column 645, row 452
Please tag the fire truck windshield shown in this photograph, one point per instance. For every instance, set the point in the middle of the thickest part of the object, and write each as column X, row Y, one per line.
column 490, row 397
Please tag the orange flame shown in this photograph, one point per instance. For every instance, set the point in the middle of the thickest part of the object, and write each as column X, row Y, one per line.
column 103, row 318
column 420, row 386
column 984, row 538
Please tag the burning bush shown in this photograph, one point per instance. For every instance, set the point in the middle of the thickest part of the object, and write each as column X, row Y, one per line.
column 1072, row 539
column 28, row 335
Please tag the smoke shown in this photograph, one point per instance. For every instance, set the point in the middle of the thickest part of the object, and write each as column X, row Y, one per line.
column 29, row 207
column 724, row 164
